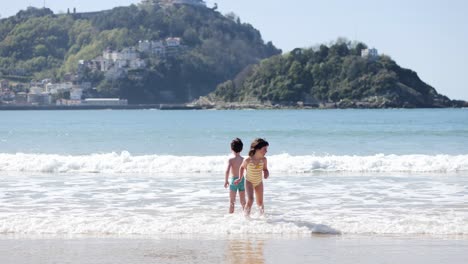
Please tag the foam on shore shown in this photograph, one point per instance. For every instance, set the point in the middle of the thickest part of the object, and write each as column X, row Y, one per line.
column 124, row 162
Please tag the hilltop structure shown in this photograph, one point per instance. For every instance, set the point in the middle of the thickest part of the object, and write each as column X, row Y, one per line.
column 370, row 53
column 174, row 2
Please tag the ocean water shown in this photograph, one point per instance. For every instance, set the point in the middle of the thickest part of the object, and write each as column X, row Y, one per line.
column 152, row 172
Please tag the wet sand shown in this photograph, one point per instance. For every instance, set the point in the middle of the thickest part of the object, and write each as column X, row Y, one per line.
column 230, row 249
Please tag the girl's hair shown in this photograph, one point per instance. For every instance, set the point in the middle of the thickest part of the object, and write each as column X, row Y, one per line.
column 257, row 144
column 236, row 145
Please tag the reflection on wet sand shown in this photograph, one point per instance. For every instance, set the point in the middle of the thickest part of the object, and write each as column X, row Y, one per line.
column 245, row 251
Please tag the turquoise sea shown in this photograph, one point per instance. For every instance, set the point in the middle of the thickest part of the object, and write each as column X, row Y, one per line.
column 301, row 132
column 154, row 172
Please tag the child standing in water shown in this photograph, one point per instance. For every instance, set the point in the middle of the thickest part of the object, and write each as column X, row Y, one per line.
column 233, row 170
column 255, row 165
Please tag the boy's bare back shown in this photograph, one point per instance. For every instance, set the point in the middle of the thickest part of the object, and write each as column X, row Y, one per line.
column 235, row 165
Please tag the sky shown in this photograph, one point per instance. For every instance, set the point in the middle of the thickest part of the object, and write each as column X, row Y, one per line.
column 429, row 37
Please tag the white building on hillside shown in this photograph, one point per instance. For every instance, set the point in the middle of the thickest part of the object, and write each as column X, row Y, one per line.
column 158, row 48
column 54, row 88
column 21, row 98
column 35, row 90
column 173, row 42
column 127, row 54
column 137, row 64
column 369, row 53
column 39, row 98
column 4, row 84
column 144, row 46
column 107, row 54
column 76, row 94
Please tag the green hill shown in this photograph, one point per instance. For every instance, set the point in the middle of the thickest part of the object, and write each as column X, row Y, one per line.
column 219, row 55
column 36, row 44
column 330, row 76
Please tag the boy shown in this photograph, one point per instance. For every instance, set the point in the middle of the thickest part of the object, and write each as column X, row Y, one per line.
column 233, row 170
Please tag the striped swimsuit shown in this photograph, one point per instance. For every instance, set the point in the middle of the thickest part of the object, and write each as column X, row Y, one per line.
column 254, row 173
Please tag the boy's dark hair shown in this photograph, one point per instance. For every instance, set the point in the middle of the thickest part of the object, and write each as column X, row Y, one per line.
column 237, row 145
column 257, row 144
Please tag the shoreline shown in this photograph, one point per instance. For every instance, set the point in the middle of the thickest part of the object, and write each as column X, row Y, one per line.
column 193, row 107
column 101, row 107
column 233, row 249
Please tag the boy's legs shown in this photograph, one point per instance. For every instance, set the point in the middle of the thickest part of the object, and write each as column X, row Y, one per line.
column 232, row 201
column 242, row 199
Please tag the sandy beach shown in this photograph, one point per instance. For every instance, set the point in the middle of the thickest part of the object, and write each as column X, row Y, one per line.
column 241, row 249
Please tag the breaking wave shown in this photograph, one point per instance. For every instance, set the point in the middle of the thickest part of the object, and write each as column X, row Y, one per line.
column 124, row 162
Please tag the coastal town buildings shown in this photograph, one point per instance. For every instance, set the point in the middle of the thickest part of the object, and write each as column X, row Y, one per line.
column 92, row 102
column 46, row 93
column 76, row 94
column 127, row 58
column 6, row 94
column 116, row 64
column 104, row 101
column 21, row 98
column 39, row 98
column 156, row 48
column 54, row 88
column 4, row 84
column 67, row 102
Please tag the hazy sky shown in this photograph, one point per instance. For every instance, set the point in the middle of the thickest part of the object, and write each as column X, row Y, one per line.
column 429, row 37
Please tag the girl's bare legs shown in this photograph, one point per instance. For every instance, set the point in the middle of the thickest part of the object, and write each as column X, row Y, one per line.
column 249, row 189
column 259, row 196
column 232, row 201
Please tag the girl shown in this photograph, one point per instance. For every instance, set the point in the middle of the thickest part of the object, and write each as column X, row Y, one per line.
column 255, row 164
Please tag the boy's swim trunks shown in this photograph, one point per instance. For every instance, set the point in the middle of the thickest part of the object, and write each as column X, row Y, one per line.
column 239, row 187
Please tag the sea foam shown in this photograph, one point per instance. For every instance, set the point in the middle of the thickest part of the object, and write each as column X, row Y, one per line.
column 140, row 224
column 124, row 162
